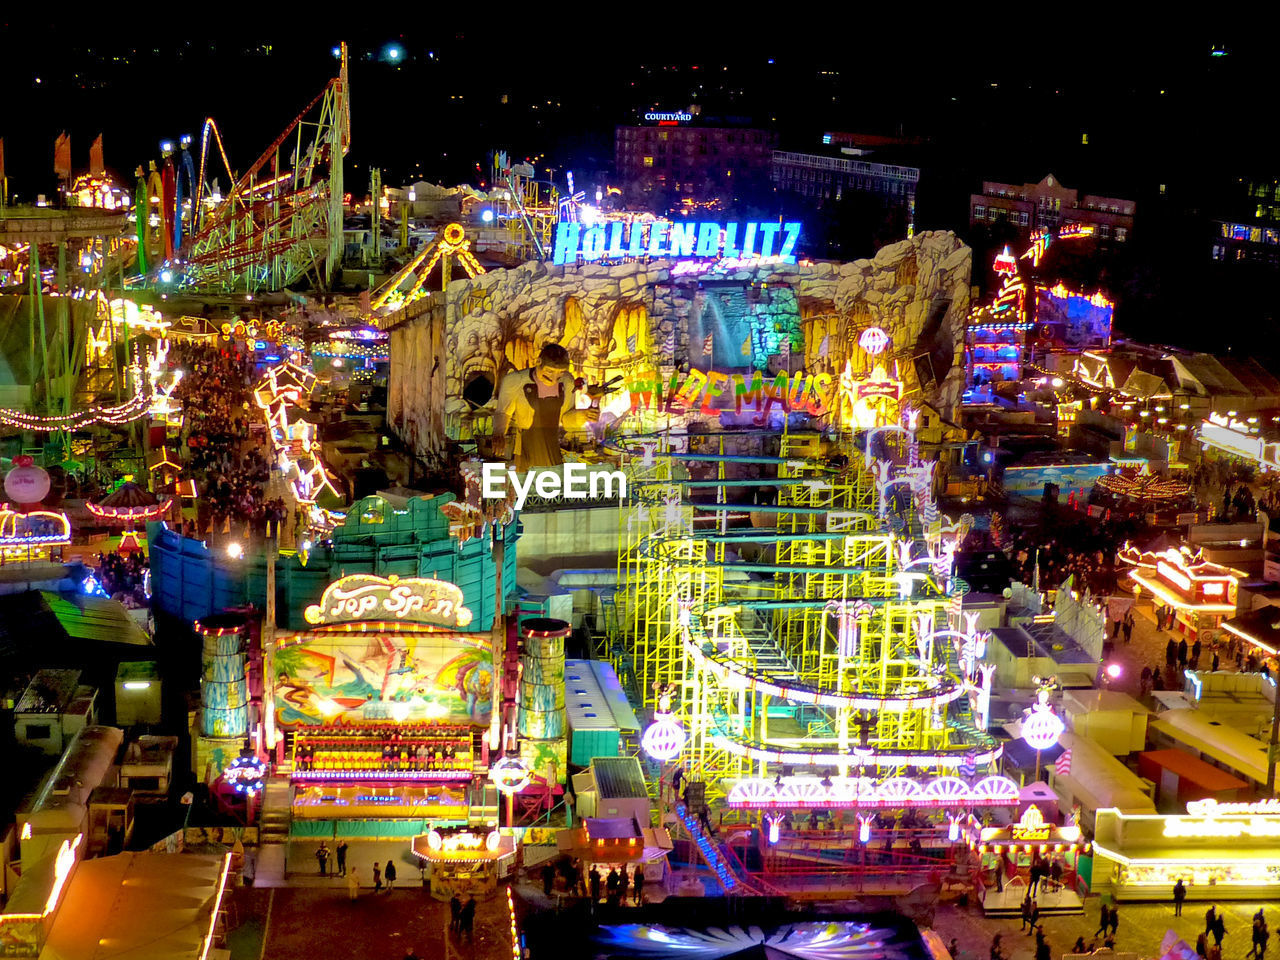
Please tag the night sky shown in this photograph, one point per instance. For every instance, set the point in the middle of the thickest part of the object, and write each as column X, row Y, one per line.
column 1005, row 101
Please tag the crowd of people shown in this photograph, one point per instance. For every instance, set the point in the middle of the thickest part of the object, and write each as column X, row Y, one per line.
column 230, row 468
column 615, row 887
column 123, row 578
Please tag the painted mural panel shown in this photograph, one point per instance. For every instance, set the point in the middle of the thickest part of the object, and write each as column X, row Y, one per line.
column 1067, row 476
column 330, row 678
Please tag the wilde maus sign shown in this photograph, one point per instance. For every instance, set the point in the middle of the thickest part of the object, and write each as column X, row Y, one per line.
column 668, row 240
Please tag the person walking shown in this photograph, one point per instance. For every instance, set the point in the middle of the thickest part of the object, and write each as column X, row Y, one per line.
column 377, row 877
column 1219, row 930
column 390, row 874
column 1114, row 921
column 341, row 851
column 1104, row 917
column 1034, row 918
column 1127, row 627
column 322, row 859
column 997, row 951
column 1026, row 912
column 637, row 886
column 468, row 917
column 353, row 883
column 594, row 881
column 624, row 881
column 548, row 879
column 1210, row 918
column 1202, row 946
column 455, row 913
column 1179, row 895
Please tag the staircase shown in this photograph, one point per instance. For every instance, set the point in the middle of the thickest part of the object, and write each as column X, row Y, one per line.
column 764, row 648
column 273, row 833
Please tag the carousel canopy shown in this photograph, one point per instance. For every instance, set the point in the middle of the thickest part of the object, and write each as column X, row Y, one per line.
column 130, row 502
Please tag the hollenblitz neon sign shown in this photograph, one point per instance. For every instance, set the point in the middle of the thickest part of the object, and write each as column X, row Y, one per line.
column 664, row 239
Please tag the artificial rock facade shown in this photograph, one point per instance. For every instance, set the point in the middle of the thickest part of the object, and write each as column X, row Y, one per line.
column 606, row 315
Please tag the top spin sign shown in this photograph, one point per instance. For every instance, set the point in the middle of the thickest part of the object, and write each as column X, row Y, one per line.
column 663, row 239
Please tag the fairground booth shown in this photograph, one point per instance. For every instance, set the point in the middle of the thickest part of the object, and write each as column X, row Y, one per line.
column 1221, row 851
column 383, row 707
column 1202, row 593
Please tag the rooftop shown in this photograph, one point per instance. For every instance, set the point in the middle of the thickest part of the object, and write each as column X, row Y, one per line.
column 50, row 691
column 619, row 778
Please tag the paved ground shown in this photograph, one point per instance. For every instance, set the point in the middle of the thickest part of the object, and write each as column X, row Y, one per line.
column 321, row 921
column 1142, row 928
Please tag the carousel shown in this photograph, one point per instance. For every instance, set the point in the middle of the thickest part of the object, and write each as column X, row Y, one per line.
column 128, row 506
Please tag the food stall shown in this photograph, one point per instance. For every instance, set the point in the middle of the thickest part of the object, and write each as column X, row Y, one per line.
column 1202, row 593
column 467, row 861
column 1221, row 851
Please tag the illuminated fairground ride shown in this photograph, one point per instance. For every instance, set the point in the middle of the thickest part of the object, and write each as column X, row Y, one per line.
column 829, row 650
column 281, row 220
column 283, row 390
column 409, row 282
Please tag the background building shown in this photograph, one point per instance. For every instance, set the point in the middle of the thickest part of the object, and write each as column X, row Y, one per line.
column 665, row 161
column 1049, row 205
column 1248, row 228
column 829, row 176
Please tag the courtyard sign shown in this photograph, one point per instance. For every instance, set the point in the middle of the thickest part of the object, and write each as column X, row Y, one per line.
column 665, row 239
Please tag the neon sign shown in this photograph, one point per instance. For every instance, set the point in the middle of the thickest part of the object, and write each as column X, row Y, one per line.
column 62, row 864
column 665, row 239
column 697, row 391
column 1214, row 808
column 1222, row 827
column 1032, row 826
column 677, row 117
column 1173, row 575
column 363, row 596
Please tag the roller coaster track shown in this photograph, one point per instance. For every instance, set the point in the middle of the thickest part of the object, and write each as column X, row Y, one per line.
column 940, row 688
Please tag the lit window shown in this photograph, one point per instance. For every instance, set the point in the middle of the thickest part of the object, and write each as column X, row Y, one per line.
column 648, row 161
column 979, row 212
column 1022, row 218
column 1121, row 233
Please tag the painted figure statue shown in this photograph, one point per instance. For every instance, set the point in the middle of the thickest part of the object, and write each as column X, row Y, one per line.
column 537, row 402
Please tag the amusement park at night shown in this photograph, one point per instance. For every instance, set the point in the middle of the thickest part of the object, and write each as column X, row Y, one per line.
column 656, row 523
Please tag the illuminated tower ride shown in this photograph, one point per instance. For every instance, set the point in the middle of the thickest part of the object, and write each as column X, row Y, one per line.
column 817, row 637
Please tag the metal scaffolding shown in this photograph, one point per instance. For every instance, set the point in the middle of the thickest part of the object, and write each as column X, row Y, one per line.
column 814, row 637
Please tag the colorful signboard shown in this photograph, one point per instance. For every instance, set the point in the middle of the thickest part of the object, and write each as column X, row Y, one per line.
column 670, row 240
column 1029, row 478
column 363, row 596
column 392, row 676
column 1072, row 319
column 711, row 391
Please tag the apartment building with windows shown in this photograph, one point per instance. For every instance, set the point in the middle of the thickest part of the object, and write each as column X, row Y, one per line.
column 1051, row 206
